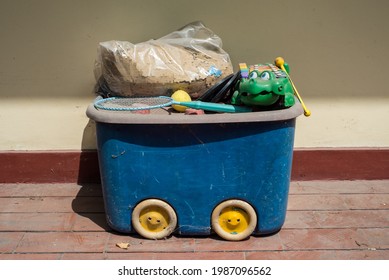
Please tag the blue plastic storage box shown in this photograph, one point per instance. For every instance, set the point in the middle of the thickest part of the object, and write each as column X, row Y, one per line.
column 167, row 173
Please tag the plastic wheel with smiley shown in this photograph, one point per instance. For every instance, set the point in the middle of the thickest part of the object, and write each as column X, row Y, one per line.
column 154, row 219
column 234, row 220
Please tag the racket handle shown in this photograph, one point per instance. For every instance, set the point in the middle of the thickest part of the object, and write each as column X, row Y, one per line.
column 215, row 107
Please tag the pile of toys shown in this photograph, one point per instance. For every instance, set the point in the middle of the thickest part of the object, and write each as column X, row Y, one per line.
column 190, row 68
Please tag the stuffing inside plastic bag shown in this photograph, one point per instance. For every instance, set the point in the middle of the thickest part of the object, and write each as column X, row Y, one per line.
column 190, row 59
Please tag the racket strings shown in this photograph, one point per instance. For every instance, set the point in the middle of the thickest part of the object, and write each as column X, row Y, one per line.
column 132, row 103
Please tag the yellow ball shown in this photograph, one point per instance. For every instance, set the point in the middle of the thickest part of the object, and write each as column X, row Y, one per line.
column 279, row 62
column 180, row 96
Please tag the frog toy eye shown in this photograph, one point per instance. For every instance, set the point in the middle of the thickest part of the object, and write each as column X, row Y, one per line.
column 253, row 75
column 265, row 76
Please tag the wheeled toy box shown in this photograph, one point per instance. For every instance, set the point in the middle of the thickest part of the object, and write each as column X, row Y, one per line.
column 227, row 173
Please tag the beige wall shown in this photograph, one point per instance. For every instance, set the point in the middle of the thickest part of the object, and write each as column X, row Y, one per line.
column 338, row 52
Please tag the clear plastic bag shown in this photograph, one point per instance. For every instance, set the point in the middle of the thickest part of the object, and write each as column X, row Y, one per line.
column 191, row 59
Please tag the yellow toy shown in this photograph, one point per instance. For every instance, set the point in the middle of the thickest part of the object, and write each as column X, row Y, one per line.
column 180, row 96
column 279, row 62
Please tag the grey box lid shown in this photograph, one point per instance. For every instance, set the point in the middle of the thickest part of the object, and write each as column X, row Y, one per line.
column 166, row 117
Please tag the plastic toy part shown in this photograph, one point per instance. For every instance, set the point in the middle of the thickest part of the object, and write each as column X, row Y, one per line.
column 180, row 96
column 234, row 220
column 154, row 219
column 244, row 71
column 279, row 61
column 265, row 85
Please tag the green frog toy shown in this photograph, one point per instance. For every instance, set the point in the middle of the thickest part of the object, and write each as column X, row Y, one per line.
column 263, row 85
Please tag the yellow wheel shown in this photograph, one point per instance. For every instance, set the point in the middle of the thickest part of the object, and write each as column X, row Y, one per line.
column 154, row 219
column 234, row 220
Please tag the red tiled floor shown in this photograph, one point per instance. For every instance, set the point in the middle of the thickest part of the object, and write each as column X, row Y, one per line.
column 337, row 219
column 40, row 204
column 339, row 202
column 325, row 220
column 154, row 256
column 318, row 255
column 58, row 242
column 178, row 256
column 9, row 241
column 253, row 243
column 36, row 221
column 138, row 244
column 44, row 256
column 346, row 239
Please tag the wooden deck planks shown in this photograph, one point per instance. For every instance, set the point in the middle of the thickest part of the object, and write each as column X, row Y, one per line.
column 325, row 220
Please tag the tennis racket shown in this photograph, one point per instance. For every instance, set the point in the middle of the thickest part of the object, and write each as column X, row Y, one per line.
column 147, row 103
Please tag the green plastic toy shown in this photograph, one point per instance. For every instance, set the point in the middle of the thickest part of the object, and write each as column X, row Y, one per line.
column 263, row 85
